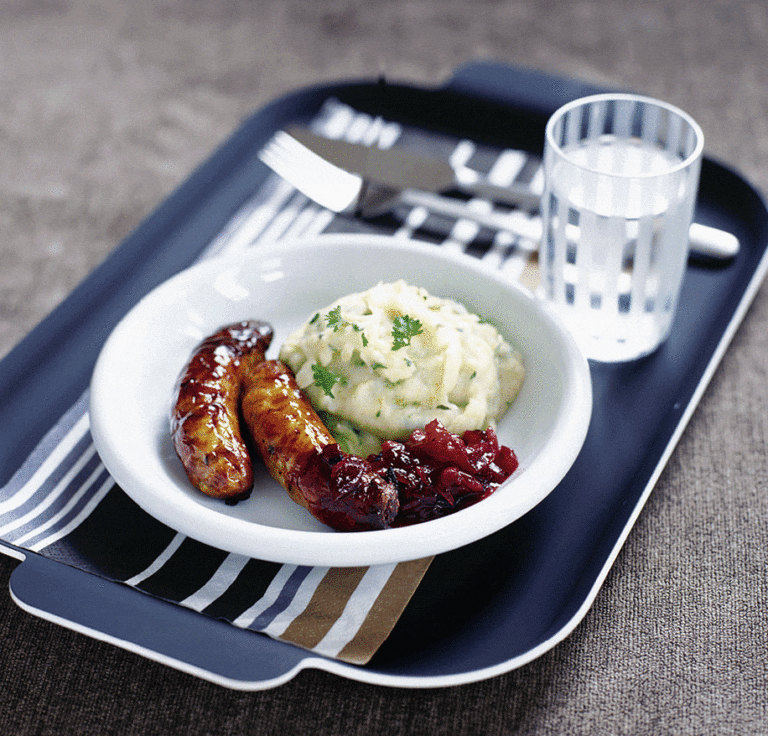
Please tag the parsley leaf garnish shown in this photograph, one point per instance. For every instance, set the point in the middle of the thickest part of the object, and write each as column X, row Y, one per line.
column 403, row 330
column 326, row 379
column 336, row 322
column 334, row 319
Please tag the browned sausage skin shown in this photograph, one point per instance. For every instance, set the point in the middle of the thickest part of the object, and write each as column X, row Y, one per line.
column 205, row 418
column 300, row 453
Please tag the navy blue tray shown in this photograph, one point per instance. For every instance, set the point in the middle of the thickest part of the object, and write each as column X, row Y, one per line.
column 483, row 609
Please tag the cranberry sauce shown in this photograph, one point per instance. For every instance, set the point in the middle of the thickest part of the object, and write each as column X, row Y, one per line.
column 438, row 473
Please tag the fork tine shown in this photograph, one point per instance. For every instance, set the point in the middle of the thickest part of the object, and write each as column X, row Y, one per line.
column 318, row 179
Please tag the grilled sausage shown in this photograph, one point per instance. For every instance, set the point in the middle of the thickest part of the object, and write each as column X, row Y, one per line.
column 300, row 453
column 205, row 422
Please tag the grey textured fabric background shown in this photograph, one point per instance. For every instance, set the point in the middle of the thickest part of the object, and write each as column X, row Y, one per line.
column 106, row 106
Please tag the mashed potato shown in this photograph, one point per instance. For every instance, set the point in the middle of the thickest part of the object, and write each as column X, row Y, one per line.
column 381, row 363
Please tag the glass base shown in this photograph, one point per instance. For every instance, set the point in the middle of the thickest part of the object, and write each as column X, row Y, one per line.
column 615, row 341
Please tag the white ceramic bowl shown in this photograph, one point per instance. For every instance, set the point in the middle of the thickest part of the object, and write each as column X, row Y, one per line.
column 285, row 283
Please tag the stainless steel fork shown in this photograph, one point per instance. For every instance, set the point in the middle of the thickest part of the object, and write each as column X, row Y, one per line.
column 341, row 191
column 316, row 178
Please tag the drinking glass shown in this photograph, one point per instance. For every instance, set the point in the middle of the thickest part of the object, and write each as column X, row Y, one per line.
column 621, row 178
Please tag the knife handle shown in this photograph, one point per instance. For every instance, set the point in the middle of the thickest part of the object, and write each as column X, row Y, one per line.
column 704, row 241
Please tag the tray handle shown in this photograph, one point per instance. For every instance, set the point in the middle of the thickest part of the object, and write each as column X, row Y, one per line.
column 528, row 88
column 158, row 630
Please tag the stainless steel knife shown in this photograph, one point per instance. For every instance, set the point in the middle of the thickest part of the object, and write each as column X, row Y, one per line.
column 398, row 169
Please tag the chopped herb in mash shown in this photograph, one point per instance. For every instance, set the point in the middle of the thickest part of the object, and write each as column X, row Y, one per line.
column 327, row 379
column 404, row 329
column 336, row 322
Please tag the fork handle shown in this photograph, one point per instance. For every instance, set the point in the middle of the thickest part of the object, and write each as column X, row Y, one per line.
column 515, row 194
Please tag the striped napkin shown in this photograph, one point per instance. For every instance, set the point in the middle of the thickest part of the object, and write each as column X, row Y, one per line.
column 63, row 504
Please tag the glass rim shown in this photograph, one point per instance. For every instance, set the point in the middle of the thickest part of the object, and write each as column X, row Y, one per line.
column 628, row 97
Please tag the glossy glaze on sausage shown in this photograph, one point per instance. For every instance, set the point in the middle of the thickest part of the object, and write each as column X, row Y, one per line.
column 300, row 453
column 205, row 418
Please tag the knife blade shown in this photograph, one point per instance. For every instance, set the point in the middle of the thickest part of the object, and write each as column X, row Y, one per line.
column 398, row 169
